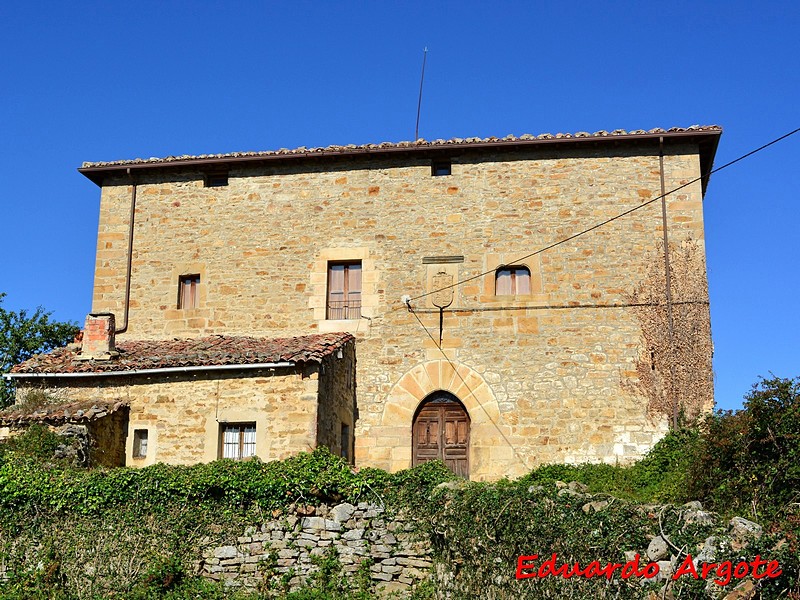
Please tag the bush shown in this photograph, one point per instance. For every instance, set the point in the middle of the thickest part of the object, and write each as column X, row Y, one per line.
column 36, row 442
column 749, row 460
column 659, row 477
column 154, row 517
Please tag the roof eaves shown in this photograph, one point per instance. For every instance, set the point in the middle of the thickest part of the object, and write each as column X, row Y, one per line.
column 216, row 353
column 154, row 371
column 68, row 412
column 96, row 171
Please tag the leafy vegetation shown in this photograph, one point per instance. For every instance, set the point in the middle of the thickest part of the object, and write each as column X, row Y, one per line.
column 23, row 335
column 135, row 532
column 750, row 460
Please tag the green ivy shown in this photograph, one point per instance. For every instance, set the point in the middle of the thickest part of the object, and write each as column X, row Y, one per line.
column 737, row 461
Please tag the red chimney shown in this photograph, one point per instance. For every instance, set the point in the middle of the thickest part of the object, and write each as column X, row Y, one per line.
column 98, row 337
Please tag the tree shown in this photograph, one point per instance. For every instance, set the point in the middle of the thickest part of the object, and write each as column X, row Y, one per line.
column 22, row 336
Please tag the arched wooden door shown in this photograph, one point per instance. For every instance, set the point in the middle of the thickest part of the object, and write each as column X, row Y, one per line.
column 441, row 431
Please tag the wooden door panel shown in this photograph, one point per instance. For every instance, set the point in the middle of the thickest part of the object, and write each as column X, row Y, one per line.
column 450, row 433
column 463, row 432
column 441, row 431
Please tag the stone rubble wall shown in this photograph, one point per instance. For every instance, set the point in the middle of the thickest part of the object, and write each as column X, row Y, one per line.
column 285, row 547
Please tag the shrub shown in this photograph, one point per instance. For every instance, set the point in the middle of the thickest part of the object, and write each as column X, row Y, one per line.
column 750, row 459
column 37, row 441
column 659, row 477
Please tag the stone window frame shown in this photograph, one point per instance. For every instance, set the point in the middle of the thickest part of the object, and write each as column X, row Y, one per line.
column 318, row 299
column 183, row 270
column 152, row 443
column 346, row 290
column 493, row 262
column 140, row 434
column 516, row 271
column 190, row 282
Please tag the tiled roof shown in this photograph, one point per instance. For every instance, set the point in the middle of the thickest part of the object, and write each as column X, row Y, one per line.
column 73, row 412
column 194, row 352
column 419, row 144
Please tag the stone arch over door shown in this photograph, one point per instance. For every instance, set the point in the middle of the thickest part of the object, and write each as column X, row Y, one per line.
column 440, row 431
column 391, row 438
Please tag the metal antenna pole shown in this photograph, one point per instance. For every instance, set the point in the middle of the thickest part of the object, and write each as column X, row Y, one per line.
column 419, row 102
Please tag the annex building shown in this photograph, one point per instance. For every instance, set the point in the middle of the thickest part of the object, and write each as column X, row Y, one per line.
column 399, row 302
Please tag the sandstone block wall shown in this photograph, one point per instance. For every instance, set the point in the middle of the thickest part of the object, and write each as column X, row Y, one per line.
column 550, row 366
column 182, row 414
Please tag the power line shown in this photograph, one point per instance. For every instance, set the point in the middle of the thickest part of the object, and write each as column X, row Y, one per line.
column 471, row 392
column 407, row 300
column 474, row 309
column 612, row 219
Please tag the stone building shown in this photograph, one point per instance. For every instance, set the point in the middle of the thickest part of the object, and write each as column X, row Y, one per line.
column 495, row 325
column 190, row 400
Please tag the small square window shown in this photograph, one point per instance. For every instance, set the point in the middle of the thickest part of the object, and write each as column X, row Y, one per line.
column 440, row 168
column 237, row 440
column 344, row 291
column 188, row 291
column 216, row 179
column 512, row 281
column 139, row 443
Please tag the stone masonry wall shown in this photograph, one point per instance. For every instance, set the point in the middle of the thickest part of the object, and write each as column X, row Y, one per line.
column 283, row 549
column 182, row 413
column 337, row 402
column 542, row 375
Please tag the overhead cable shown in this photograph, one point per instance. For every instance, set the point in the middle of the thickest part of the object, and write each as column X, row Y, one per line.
column 612, row 219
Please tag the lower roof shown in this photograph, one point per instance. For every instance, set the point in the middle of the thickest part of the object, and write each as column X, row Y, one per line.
column 196, row 354
column 53, row 413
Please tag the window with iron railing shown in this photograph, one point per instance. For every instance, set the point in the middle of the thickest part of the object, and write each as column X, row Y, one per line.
column 344, row 290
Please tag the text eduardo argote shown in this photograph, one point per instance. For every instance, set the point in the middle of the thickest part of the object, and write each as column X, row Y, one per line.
column 722, row 573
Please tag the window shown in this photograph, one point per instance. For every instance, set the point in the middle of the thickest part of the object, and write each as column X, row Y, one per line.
column 216, row 179
column 139, row 443
column 344, row 290
column 187, row 291
column 237, row 440
column 512, row 281
column 440, row 168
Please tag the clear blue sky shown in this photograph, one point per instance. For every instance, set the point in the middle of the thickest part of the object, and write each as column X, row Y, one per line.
column 88, row 81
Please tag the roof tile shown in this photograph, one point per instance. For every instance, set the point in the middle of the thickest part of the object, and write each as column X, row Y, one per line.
column 421, row 143
column 209, row 351
column 59, row 412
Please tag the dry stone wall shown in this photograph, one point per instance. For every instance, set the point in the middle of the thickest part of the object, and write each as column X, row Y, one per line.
column 282, row 550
